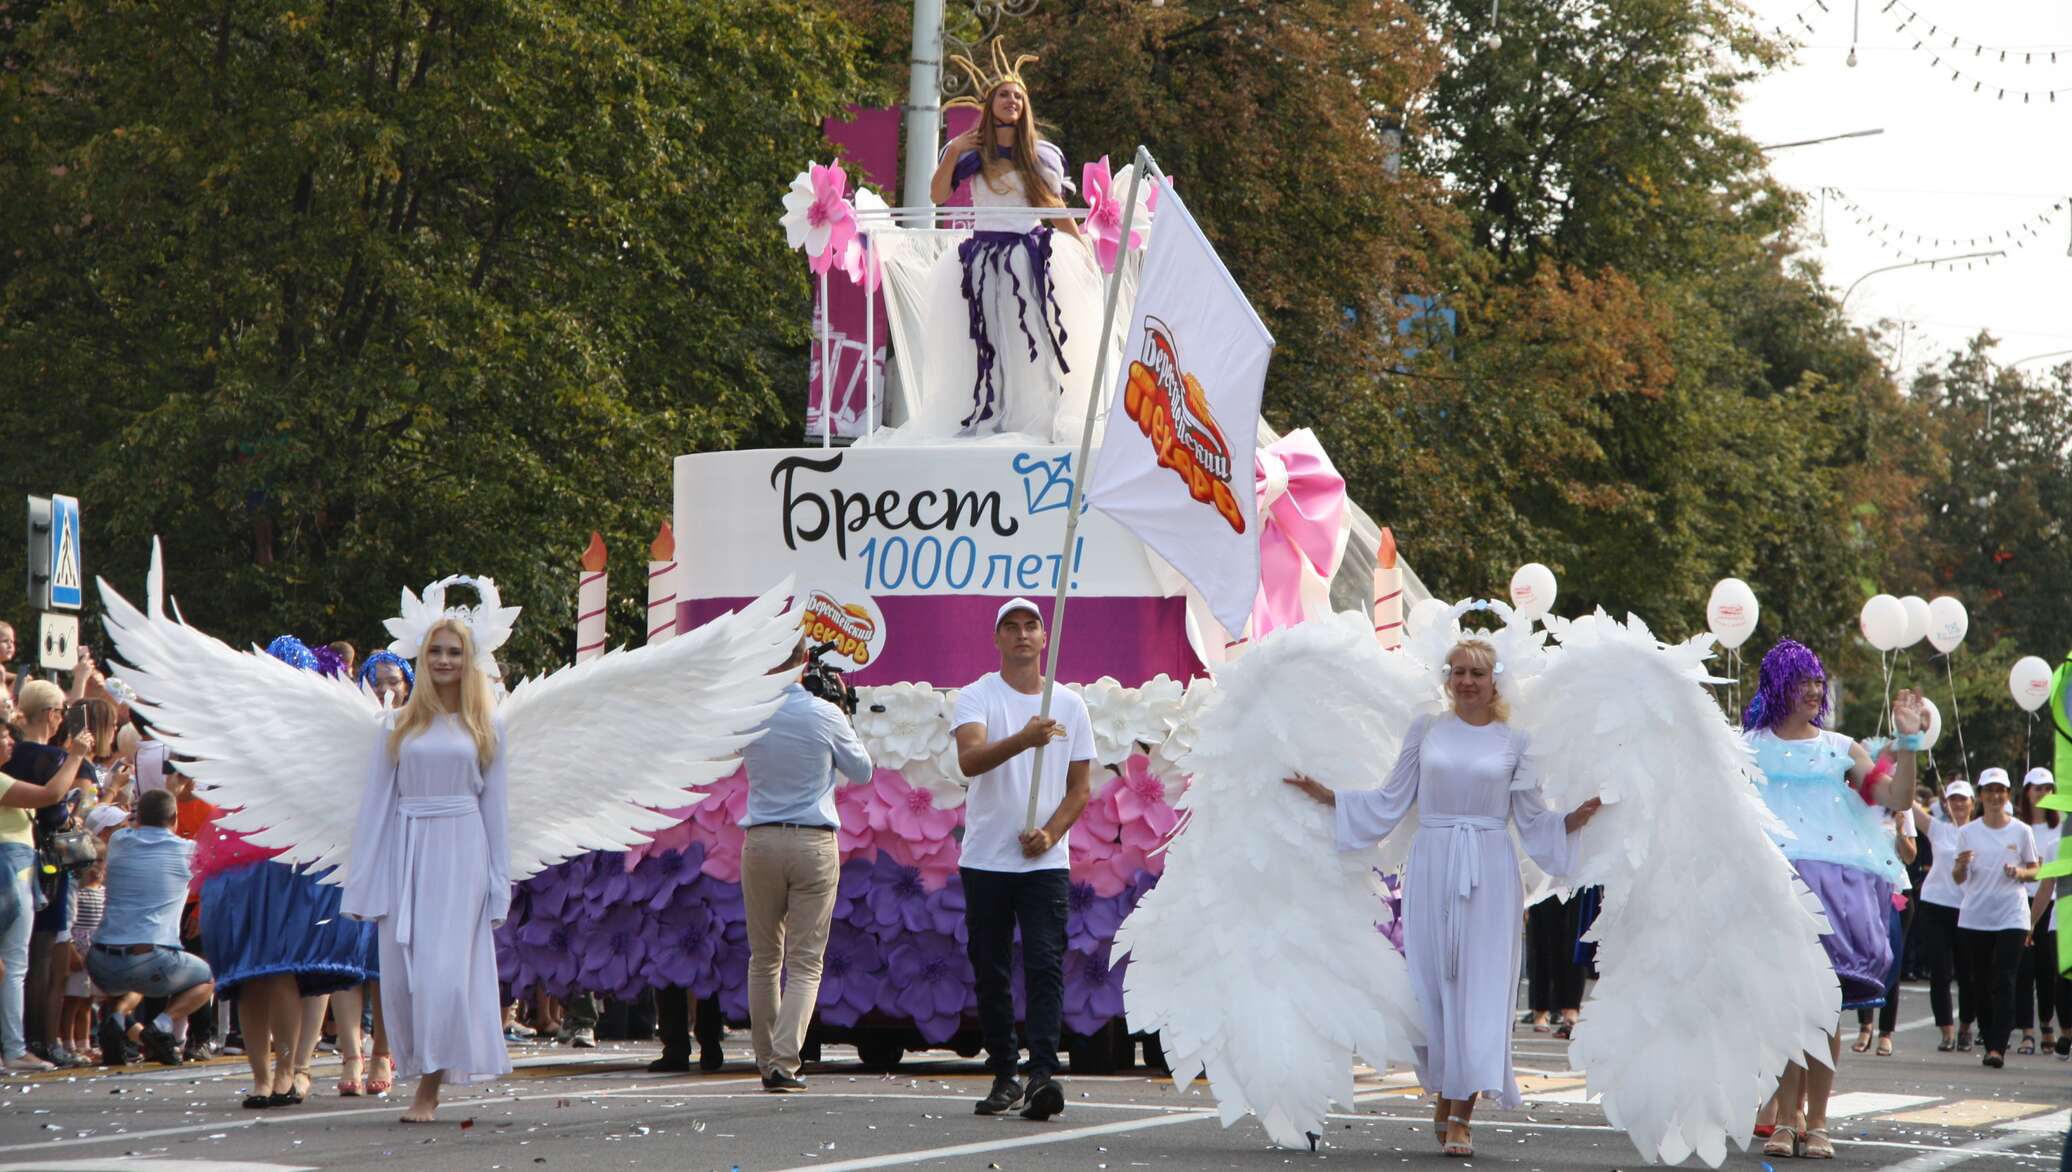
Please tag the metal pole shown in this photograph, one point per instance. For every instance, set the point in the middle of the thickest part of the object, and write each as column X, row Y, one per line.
column 924, row 103
column 1086, row 445
column 827, row 371
column 1913, row 264
column 1778, row 146
column 870, row 340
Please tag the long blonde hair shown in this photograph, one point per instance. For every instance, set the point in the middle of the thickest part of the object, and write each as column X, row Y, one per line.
column 1035, row 184
column 1483, row 654
column 477, row 710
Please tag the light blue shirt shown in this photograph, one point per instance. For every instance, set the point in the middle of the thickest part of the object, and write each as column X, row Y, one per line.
column 148, row 871
column 791, row 767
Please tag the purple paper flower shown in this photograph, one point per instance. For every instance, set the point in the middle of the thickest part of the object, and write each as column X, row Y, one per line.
column 546, row 956
column 732, row 970
column 614, row 947
column 1091, row 919
column 1093, row 991
column 946, row 911
column 852, row 892
column 686, row 938
column 898, row 899
column 656, row 878
column 851, row 976
column 930, row 979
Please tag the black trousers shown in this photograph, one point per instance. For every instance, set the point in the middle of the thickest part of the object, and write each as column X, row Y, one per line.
column 1554, row 980
column 2035, row 988
column 1887, row 1015
column 1937, row 925
column 1995, row 958
column 995, row 904
column 673, row 1022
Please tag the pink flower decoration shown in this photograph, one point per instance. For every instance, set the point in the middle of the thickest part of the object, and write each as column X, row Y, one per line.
column 816, row 216
column 727, row 802
column 855, row 838
column 907, row 813
column 716, row 822
column 1140, row 806
column 854, row 253
column 1104, row 213
column 1111, row 872
column 937, row 860
column 1099, row 820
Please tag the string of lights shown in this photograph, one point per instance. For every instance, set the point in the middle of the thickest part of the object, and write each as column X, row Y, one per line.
column 1967, row 59
column 1905, row 243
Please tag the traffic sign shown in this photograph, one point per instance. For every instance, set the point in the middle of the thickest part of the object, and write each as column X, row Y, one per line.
column 66, row 589
column 57, row 643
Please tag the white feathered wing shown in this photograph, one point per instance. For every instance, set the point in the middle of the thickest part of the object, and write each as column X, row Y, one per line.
column 284, row 750
column 598, row 749
column 1256, row 958
column 1700, row 907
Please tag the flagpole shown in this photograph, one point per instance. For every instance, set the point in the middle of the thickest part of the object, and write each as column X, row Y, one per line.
column 1086, row 446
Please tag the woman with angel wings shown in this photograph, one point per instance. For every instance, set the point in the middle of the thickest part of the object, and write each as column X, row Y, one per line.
column 1257, row 959
column 459, row 797
column 1467, row 773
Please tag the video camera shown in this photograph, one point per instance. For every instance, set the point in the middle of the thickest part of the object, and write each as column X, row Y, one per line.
column 827, row 681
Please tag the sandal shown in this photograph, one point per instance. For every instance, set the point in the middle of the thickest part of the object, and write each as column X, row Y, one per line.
column 1566, row 1029
column 1817, row 1146
column 349, row 1079
column 1885, row 1046
column 1464, row 1149
column 1783, row 1142
column 2028, row 1045
column 382, row 1076
column 1862, row 1044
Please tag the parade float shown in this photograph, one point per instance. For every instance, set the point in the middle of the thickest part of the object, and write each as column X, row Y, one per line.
column 905, row 534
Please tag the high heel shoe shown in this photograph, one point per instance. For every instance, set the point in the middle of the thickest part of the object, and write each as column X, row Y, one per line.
column 381, row 1076
column 349, row 1079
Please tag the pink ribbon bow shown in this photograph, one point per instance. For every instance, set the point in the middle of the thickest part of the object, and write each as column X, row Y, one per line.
column 1302, row 512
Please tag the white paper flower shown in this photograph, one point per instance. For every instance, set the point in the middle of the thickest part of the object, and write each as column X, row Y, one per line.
column 914, row 725
column 1112, row 709
column 1165, row 759
column 939, row 776
column 1158, row 703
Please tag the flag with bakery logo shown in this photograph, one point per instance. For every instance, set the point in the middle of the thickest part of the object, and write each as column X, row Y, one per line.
column 1175, row 467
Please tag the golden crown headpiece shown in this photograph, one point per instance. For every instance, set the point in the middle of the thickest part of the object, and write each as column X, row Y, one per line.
column 1004, row 70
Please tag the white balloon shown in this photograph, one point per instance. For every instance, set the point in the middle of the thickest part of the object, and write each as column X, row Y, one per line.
column 1426, row 615
column 1532, row 590
column 2029, row 680
column 1933, row 732
column 1947, row 623
column 1884, row 622
column 1917, row 619
column 1732, row 612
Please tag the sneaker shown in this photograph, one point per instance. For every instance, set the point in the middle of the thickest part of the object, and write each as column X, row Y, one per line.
column 779, row 1083
column 114, row 1043
column 512, row 1035
column 27, row 1064
column 518, row 1031
column 64, row 1059
column 234, row 1044
column 2064, row 1047
column 583, row 1039
column 159, row 1047
column 1001, row 1099
column 1046, row 1098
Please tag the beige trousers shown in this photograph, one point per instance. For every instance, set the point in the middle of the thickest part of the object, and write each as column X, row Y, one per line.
column 788, row 880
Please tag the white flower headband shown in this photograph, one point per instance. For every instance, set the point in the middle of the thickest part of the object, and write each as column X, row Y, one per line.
column 1520, row 649
column 489, row 622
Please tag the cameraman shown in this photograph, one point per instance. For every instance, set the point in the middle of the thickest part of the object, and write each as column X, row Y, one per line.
column 790, row 864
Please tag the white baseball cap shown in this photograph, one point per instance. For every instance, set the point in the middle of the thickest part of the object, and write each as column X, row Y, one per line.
column 1959, row 788
column 2040, row 776
column 1012, row 605
column 102, row 817
column 1994, row 776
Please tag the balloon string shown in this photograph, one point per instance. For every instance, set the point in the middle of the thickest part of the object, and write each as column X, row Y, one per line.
column 2027, row 738
column 1886, row 661
column 1955, row 714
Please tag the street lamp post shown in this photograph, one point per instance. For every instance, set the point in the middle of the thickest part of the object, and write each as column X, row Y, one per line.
column 2034, row 357
column 1778, row 146
column 1933, row 260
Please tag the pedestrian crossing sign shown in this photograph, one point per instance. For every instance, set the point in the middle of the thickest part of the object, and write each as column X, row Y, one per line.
column 66, row 591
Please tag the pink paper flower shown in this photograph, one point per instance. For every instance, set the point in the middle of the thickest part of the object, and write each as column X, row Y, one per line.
column 855, row 838
column 855, row 253
column 937, row 861
column 716, row 822
column 906, row 812
column 1111, row 872
column 1104, row 212
column 816, row 216
column 1146, row 820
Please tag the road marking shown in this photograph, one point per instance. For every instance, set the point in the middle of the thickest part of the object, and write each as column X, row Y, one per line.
column 1856, row 1103
column 1579, row 1097
column 2055, row 1123
column 152, row 1164
column 1940, row 1158
column 1972, row 1113
column 896, row 1159
column 1995, row 1147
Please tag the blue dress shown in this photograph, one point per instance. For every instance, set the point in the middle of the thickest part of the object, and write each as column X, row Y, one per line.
column 260, row 918
column 1838, row 845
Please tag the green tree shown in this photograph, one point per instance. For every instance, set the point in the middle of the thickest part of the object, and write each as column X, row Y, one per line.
column 343, row 297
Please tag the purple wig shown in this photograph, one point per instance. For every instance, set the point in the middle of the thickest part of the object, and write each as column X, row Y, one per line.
column 1785, row 670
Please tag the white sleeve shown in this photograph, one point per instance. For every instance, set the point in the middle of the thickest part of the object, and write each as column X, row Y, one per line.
column 1080, row 734
column 970, row 709
column 1365, row 817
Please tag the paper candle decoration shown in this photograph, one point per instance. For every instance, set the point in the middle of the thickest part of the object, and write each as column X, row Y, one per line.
column 661, row 614
column 1388, row 593
column 590, row 601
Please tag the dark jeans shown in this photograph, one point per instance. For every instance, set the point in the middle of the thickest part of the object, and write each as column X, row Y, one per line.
column 2035, row 988
column 1554, row 978
column 1937, row 926
column 995, row 903
column 1995, row 957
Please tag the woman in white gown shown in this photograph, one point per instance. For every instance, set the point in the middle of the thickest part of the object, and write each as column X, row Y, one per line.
column 430, row 864
column 1466, row 774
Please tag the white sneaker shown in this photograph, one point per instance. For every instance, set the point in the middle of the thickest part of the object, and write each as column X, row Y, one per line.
column 519, row 1031
column 28, row 1063
column 583, row 1040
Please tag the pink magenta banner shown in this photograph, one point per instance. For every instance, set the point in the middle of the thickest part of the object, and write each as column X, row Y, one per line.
column 868, row 143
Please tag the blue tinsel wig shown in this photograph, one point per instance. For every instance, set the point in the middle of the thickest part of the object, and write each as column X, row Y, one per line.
column 293, row 652
column 385, row 656
column 1785, row 670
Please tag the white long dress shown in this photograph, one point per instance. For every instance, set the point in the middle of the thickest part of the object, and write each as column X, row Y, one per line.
column 1462, row 899
column 431, row 865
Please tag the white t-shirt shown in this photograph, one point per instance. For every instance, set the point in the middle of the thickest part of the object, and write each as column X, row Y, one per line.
column 1938, row 886
column 1900, row 825
column 997, row 807
column 1992, row 901
column 2047, row 837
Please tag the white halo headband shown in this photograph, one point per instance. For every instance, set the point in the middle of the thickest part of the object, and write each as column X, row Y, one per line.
column 489, row 622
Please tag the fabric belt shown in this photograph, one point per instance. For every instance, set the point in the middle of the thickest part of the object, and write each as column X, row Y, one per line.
column 126, row 949
column 1463, row 872
column 419, row 810
column 792, row 826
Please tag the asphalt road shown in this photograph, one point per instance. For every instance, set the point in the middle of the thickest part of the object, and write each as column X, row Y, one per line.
column 598, row 1109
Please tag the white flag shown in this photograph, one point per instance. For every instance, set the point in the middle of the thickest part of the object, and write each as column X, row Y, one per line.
column 1176, row 465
